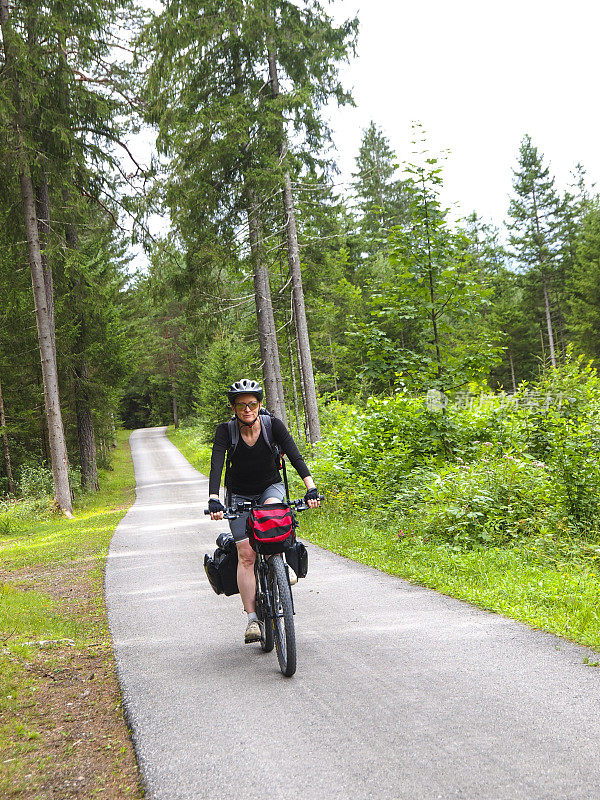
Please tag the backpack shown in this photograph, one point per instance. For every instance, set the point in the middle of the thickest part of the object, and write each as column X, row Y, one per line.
column 266, row 426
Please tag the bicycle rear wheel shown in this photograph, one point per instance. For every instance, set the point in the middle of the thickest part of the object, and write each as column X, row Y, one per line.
column 283, row 619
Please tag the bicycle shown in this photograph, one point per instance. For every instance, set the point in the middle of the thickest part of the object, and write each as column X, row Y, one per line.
column 274, row 601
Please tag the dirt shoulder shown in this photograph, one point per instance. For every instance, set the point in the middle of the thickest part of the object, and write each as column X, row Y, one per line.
column 63, row 733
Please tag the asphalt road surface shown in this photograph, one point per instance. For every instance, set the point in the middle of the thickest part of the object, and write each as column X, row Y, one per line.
column 400, row 693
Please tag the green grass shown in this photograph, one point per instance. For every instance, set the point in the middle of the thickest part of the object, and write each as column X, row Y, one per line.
column 51, row 596
column 191, row 443
column 50, row 541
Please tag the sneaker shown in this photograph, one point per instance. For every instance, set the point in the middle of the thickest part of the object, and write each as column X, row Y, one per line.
column 293, row 576
column 252, row 632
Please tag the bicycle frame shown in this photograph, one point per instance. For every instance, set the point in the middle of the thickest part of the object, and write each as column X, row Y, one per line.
column 264, row 596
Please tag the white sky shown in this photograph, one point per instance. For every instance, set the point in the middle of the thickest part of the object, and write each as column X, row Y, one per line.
column 478, row 75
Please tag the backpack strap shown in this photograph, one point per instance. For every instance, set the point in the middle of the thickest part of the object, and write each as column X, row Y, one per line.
column 234, row 435
column 266, row 424
column 267, row 430
column 234, row 438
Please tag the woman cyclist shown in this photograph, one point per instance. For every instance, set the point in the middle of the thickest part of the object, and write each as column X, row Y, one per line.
column 252, row 474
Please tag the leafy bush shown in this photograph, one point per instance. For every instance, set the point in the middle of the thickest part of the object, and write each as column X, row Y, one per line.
column 369, row 452
column 17, row 515
column 490, row 501
column 489, row 469
column 35, row 481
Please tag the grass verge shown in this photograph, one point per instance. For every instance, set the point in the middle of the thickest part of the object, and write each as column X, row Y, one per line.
column 190, row 442
column 62, row 731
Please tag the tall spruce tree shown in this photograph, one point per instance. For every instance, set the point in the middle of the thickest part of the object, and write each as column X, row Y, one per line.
column 22, row 102
column 64, row 90
column 534, row 238
column 221, row 120
column 202, row 86
column 583, row 318
column 383, row 201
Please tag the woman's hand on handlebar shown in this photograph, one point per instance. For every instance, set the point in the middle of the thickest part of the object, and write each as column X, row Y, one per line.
column 216, row 508
column 312, row 498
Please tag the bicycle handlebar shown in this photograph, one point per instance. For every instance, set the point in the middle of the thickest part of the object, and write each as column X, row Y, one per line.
column 233, row 512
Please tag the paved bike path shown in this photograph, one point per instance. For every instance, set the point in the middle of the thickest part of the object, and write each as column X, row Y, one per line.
column 400, row 694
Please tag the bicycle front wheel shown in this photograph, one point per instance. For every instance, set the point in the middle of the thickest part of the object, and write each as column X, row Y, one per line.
column 266, row 634
column 283, row 617
column 267, row 640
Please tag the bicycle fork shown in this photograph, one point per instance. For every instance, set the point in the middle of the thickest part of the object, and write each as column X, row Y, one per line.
column 265, row 594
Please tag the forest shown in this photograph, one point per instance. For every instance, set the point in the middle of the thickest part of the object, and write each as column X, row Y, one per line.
column 439, row 370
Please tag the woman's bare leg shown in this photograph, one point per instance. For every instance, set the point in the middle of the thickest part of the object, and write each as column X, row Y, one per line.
column 245, row 572
column 245, row 575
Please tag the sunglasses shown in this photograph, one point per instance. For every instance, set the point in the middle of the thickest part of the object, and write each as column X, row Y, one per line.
column 252, row 405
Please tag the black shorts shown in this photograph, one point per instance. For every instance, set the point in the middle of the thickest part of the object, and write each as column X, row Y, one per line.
column 238, row 526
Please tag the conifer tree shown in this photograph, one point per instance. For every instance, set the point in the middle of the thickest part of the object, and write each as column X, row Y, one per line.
column 583, row 320
column 383, row 201
column 63, row 89
column 534, row 229
column 17, row 68
column 225, row 132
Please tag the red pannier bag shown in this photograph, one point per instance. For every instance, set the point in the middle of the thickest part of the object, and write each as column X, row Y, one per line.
column 270, row 528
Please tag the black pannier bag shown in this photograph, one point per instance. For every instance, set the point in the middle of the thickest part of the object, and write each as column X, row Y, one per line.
column 270, row 528
column 221, row 567
column 297, row 557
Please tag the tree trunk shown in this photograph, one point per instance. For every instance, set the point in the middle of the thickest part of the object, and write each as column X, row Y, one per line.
column 172, row 378
column 294, row 384
column 512, row 372
column 85, row 430
column 42, row 205
column 543, row 346
column 56, row 435
column 85, row 422
column 113, row 430
column 302, row 388
column 333, row 368
column 548, row 320
column 267, row 337
column 311, row 407
column 267, row 332
column 432, row 298
column 5, row 448
column 542, row 264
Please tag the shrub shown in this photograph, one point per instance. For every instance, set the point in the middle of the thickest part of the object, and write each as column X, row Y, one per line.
column 490, row 501
column 17, row 515
column 35, row 481
column 491, row 470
